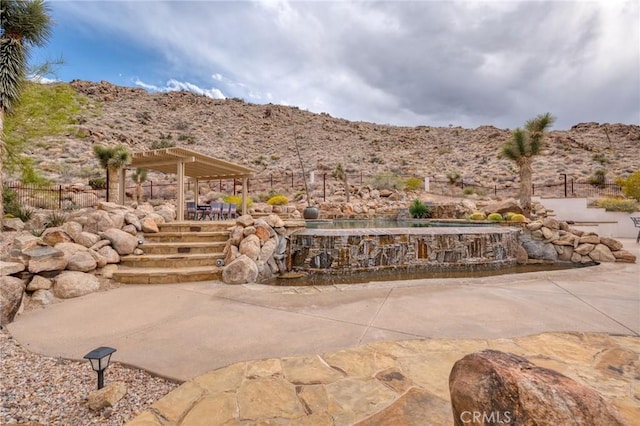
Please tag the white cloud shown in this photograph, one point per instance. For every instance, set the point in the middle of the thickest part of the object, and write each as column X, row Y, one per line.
column 175, row 86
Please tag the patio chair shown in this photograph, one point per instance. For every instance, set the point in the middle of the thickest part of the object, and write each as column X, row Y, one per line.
column 233, row 211
column 636, row 223
column 224, row 211
column 215, row 210
column 191, row 211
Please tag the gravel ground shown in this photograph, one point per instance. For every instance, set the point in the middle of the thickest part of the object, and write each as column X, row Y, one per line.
column 39, row 390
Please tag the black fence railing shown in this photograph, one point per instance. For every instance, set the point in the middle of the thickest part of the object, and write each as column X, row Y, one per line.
column 321, row 186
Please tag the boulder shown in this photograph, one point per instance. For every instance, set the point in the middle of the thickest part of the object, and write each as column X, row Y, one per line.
column 237, row 233
column 567, row 253
column 111, row 207
column 159, row 220
column 13, row 224
column 121, row 241
column 589, row 239
column 73, row 229
column 231, row 253
column 551, row 223
column 109, row 254
column 601, row 253
column 98, row 221
column 534, row 226
column 540, row 250
column 248, row 230
column 166, row 213
column 268, row 249
column 521, row 256
column 130, row 229
column 101, row 261
column 53, row 236
column 624, row 256
column 274, row 221
column 45, row 258
column 149, row 225
column 26, row 241
column 108, row 396
column 548, row 234
column 512, row 390
column 505, row 206
column 131, row 219
column 250, row 246
column 245, row 220
column 39, row 283
column 81, row 261
column 11, row 291
column 10, row 268
column 584, row 249
column 263, row 231
column 43, row 297
column 87, row 239
column 613, row 244
column 241, row 271
column 74, row 284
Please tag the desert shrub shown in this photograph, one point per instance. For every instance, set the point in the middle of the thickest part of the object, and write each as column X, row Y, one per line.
column 413, row 184
column 419, row 210
column 453, row 177
column 162, row 143
column 278, row 200
column 598, row 178
column 617, row 204
column 477, row 216
column 9, row 200
column 387, row 181
column 630, row 185
column 237, row 200
column 495, row 217
column 468, row 191
column 600, row 158
column 517, row 217
column 98, row 183
column 24, row 213
column 56, row 218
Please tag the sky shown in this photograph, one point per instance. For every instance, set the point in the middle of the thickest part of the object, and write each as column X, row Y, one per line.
column 406, row 63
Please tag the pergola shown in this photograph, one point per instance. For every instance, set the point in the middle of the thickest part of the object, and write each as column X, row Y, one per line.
column 184, row 162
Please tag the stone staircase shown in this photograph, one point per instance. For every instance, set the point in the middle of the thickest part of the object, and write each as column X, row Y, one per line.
column 180, row 252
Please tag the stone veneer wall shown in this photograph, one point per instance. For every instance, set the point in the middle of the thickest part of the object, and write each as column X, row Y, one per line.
column 341, row 250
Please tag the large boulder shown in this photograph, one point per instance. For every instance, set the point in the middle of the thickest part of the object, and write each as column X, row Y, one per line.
column 87, row 239
column 505, row 206
column 240, row 271
column 109, row 254
column 131, row 219
column 78, row 257
column 45, row 258
column 601, row 253
column 53, row 236
column 123, row 242
column 10, row 268
column 512, row 390
column 39, row 283
column 98, row 221
column 250, row 246
column 268, row 249
column 11, row 292
column 149, row 225
column 540, row 250
column 624, row 256
column 74, row 284
column 13, row 224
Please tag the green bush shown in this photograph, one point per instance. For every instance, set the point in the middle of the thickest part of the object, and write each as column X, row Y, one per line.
column 454, row 177
column 413, row 184
column 387, row 181
column 630, row 185
column 98, row 183
column 278, row 200
column 617, row 204
column 517, row 217
column 25, row 213
column 419, row 210
column 598, row 179
column 56, row 218
column 495, row 217
column 477, row 216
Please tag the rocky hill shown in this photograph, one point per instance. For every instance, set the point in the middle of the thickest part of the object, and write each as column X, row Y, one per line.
column 263, row 136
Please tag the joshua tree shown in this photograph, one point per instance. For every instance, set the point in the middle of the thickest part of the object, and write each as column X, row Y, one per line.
column 23, row 24
column 523, row 146
column 139, row 177
column 112, row 158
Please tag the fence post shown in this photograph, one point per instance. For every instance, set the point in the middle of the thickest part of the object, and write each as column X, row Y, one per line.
column 291, row 179
column 271, row 181
column 360, row 177
column 324, row 187
column 59, row 197
column 495, row 190
column 572, row 186
column 234, row 186
column 533, row 189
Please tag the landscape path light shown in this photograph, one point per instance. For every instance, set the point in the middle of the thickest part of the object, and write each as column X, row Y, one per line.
column 99, row 359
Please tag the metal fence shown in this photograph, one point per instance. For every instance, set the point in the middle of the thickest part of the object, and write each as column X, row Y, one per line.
column 321, row 185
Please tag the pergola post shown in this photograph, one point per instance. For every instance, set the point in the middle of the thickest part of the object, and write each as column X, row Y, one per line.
column 180, row 192
column 121, row 182
column 244, row 194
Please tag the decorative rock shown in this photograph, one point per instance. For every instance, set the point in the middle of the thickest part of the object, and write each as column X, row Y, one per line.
column 231, row 253
column 39, row 283
column 130, row 229
column 108, row 270
column 613, row 244
column 87, row 239
column 109, row 254
column 250, row 246
column 108, row 396
column 274, row 221
column 237, row 233
column 111, row 207
column 73, row 284
column 567, row 253
column 521, row 256
column 43, row 297
column 245, row 220
column 149, row 225
column 547, row 233
column 241, row 271
column 82, row 261
column 10, row 268
column 45, row 258
column 551, row 223
column 11, row 291
column 534, row 226
column 248, row 230
column 589, row 239
column 505, row 206
column 26, row 241
column 121, row 241
column 159, row 220
column 601, row 253
column 509, row 387
column 268, row 248
column 132, row 219
column 53, row 236
column 540, row 250
column 624, row 256
column 576, row 258
column 584, row 249
column 13, row 224
column 166, row 213
column 73, row 229
column 98, row 221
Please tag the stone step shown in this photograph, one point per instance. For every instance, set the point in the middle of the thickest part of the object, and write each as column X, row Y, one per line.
column 170, row 260
column 214, row 247
column 167, row 275
column 196, row 226
column 187, row 237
